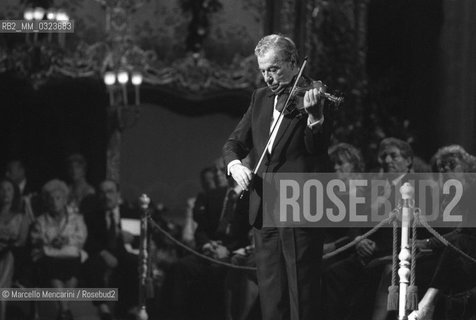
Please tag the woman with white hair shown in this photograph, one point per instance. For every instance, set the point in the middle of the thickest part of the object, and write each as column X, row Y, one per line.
column 452, row 286
column 58, row 236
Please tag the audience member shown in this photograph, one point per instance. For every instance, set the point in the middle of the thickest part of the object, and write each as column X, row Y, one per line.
column 31, row 203
column 453, row 158
column 348, row 163
column 454, row 273
column 207, row 179
column 449, row 160
column 57, row 237
column 11, row 221
column 17, row 173
column 79, row 186
column 346, row 159
column 207, row 182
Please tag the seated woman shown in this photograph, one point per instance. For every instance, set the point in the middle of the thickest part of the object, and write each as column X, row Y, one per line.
column 348, row 163
column 454, row 273
column 11, row 221
column 57, row 237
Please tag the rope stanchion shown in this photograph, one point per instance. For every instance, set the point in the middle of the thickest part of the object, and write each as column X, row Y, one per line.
column 144, row 259
column 407, row 191
column 440, row 237
column 393, row 214
column 412, row 293
column 392, row 299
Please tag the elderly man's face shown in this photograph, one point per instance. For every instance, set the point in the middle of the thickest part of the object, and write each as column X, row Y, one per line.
column 392, row 160
column 276, row 73
column 109, row 195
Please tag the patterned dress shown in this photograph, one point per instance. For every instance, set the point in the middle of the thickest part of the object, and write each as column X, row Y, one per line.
column 60, row 243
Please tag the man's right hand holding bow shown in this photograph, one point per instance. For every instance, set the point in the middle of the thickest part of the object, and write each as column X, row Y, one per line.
column 242, row 175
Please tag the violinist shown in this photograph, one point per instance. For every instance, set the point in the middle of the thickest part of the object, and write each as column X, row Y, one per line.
column 288, row 259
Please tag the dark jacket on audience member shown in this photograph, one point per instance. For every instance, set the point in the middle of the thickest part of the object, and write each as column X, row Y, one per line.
column 208, row 212
column 98, row 231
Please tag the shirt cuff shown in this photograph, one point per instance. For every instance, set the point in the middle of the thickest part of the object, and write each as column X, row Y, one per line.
column 231, row 164
column 314, row 124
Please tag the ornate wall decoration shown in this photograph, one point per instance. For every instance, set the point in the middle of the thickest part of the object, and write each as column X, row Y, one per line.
column 199, row 25
column 132, row 43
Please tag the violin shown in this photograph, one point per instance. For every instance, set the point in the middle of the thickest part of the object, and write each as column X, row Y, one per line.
column 297, row 96
column 300, row 91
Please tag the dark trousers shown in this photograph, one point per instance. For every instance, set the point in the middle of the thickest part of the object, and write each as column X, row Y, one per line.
column 455, row 273
column 289, row 270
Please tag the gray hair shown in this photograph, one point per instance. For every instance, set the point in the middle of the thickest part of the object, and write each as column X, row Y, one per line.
column 405, row 149
column 454, row 151
column 54, row 185
column 283, row 45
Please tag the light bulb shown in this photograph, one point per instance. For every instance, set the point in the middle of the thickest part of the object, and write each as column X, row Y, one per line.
column 109, row 78
column 136, row 78
column 122, row 77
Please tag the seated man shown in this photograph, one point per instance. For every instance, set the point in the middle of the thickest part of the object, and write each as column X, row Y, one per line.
column 222, row 227
column 110, row 265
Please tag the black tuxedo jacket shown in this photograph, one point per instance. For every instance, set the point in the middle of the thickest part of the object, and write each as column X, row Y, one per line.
column 297, row 148
column 98, row 231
